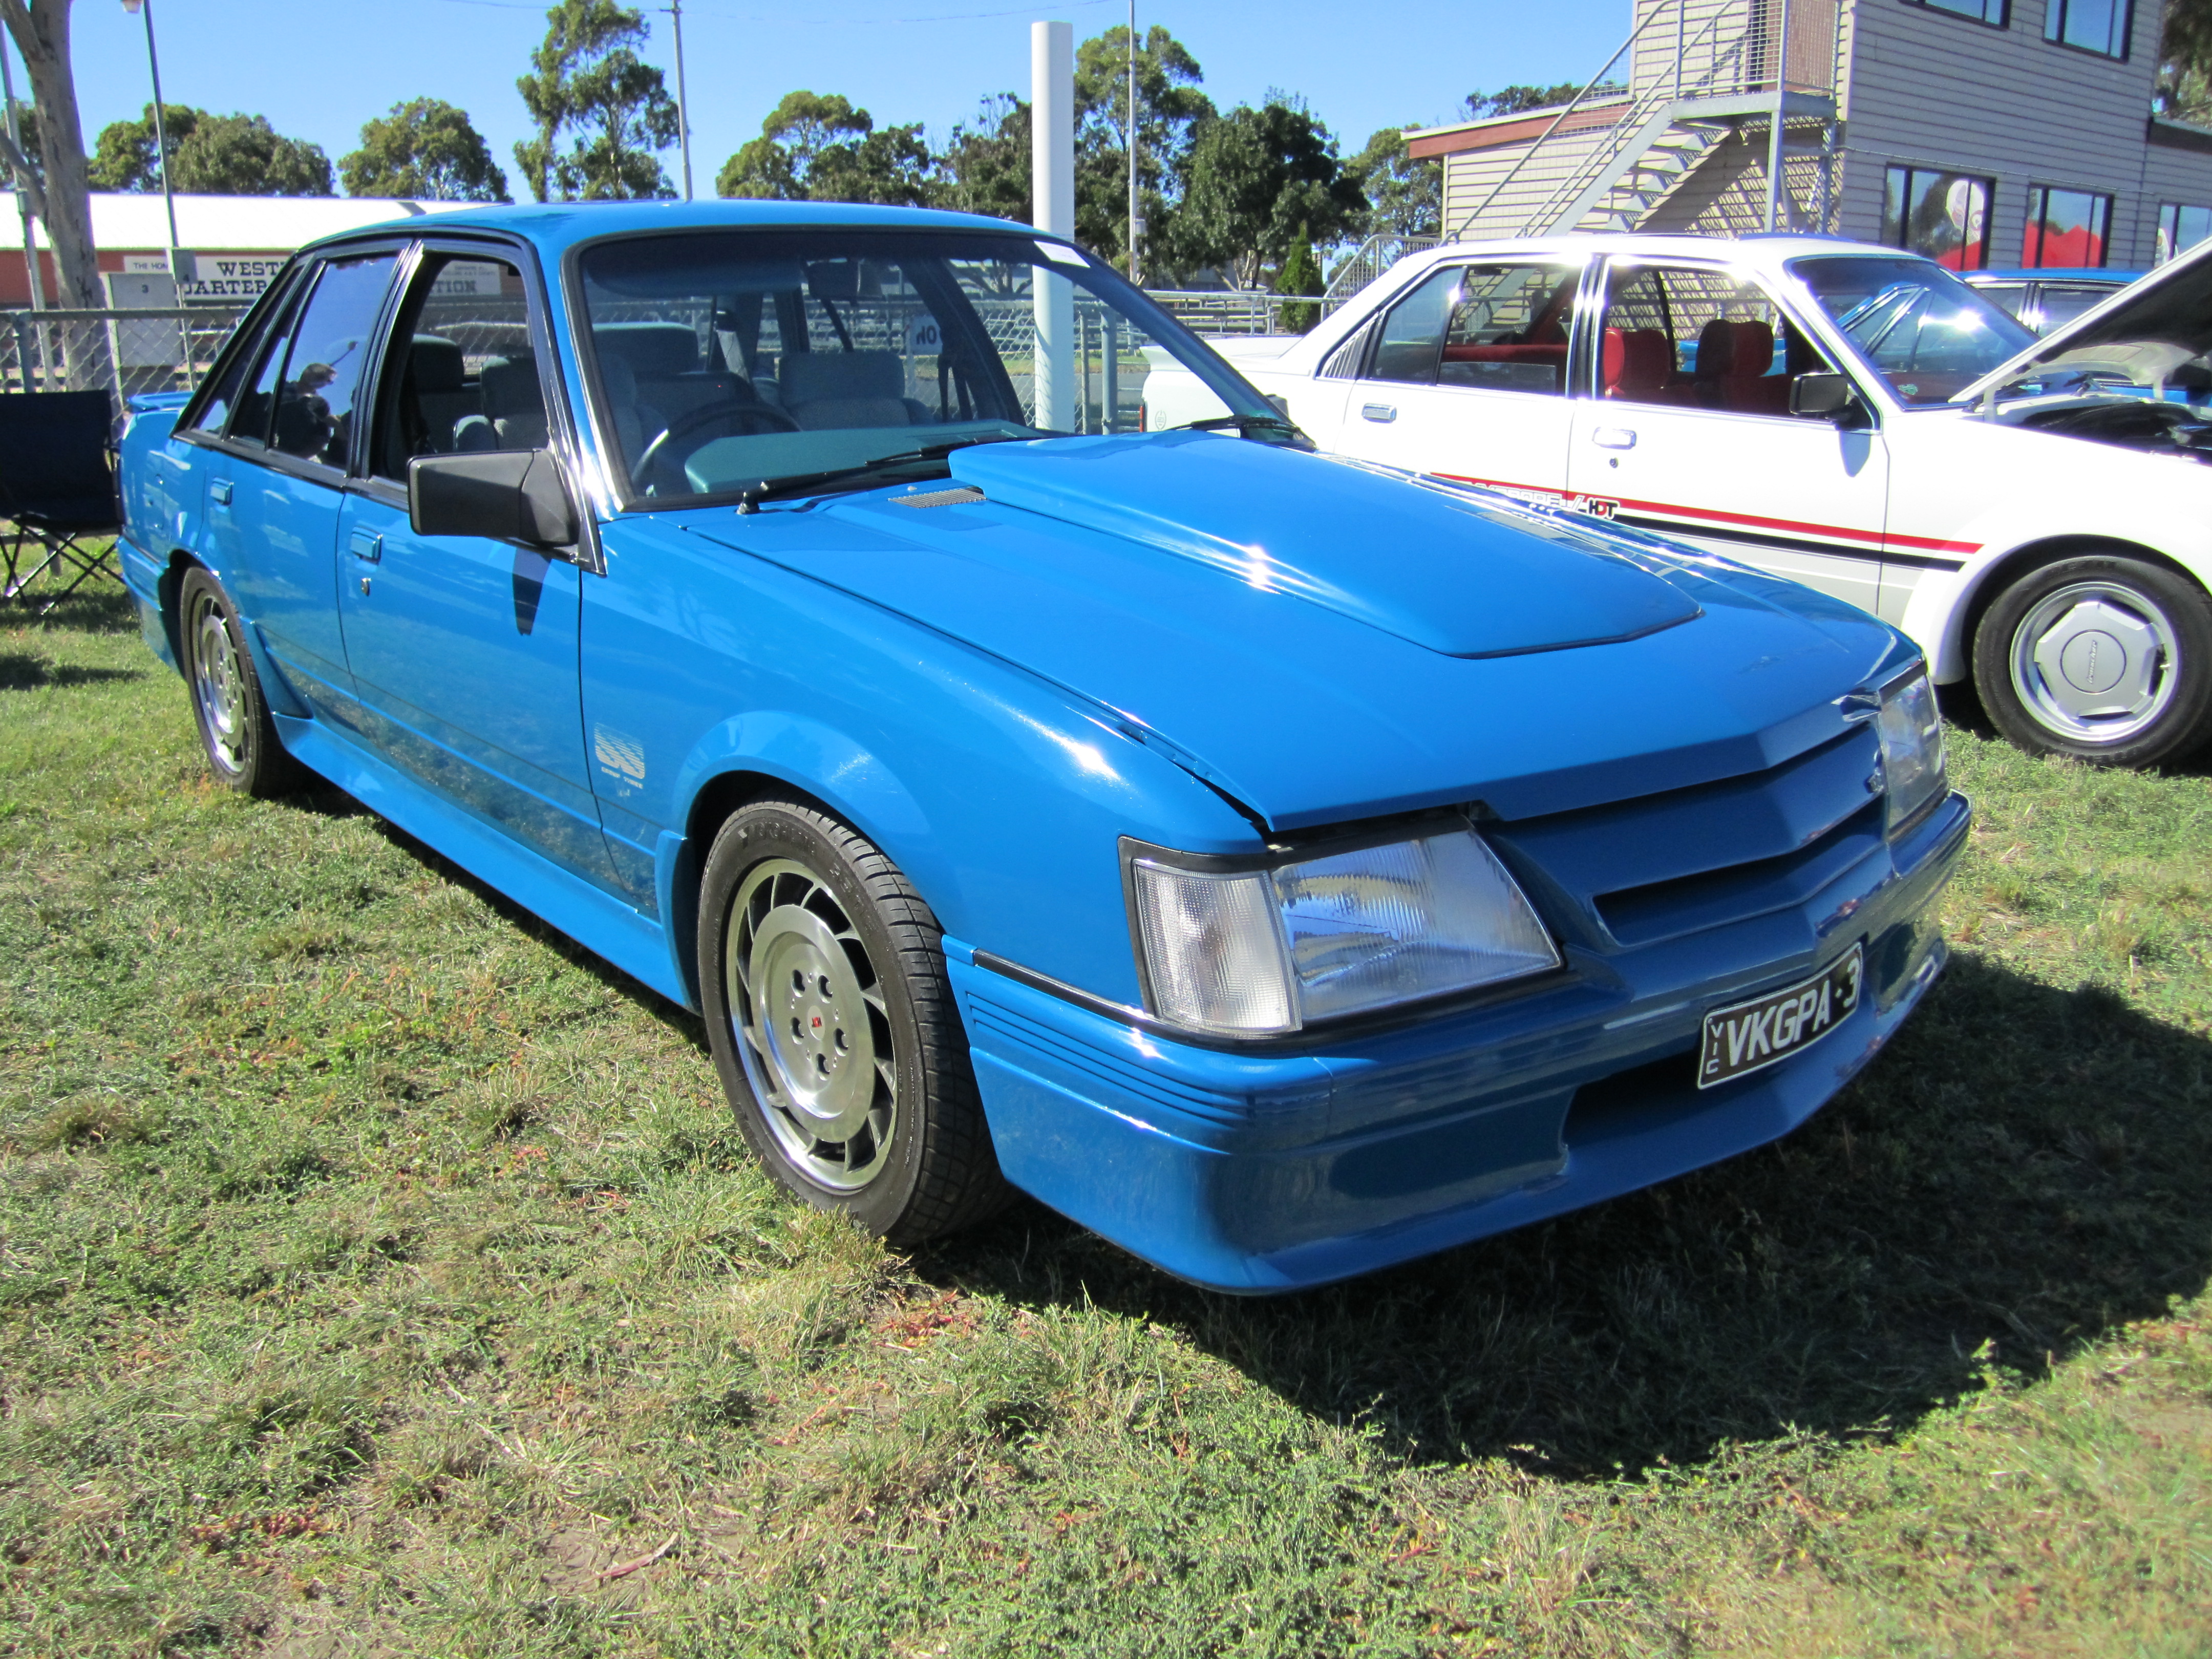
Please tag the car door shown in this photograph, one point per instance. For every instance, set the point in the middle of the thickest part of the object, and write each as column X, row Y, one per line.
column 463, row 648
column 1467, row 377
column 1691, row 433
column 274, row 508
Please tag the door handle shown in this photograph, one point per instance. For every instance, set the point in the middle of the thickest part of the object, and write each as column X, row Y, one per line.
column 367, row 546
column 1383, row 412
column 221, row 490
column 1614, row 437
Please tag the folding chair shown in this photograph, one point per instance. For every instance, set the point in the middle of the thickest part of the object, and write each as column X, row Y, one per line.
column 57, row 493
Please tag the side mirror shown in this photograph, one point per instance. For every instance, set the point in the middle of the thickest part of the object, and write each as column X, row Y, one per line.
column 1827, row 397
column 513, row 495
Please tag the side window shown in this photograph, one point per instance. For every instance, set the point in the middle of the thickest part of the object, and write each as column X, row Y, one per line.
column 1412, row 340
column 303, row 394
column 1695, row 337
column 2009, row 297
column 461, row 374
column 1508, row 330
column 215, row 408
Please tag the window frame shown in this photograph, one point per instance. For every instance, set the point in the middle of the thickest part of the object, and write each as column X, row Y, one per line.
column 2038, row 204
column 2054, row 18
column 2177, row 248
column 1904, row 218
column 246, row 338
column 2004, row 20
column 1628, row 265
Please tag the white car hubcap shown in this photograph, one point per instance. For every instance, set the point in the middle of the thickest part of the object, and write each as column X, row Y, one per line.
column 2094, row 661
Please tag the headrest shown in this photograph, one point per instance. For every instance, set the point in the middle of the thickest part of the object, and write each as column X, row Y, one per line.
column 620, row 379
column 811, row 376
column 436, row 364
column 1752, row 352
column 1636, row 358
column 650, row 348
column 510, row 387
column 1716, row 349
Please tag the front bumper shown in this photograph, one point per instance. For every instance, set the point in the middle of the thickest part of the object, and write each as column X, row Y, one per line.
column 1275, row 1171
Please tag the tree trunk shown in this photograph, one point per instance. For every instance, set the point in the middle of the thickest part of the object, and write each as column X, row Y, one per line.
column 41, row 32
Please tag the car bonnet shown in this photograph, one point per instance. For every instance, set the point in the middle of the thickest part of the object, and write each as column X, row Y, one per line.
column 2172, row 305
column 1315, row 685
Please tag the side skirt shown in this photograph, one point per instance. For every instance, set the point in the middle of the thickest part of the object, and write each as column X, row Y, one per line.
column 602, row 924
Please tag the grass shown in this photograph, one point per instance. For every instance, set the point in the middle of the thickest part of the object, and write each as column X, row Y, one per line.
column 381, row 1274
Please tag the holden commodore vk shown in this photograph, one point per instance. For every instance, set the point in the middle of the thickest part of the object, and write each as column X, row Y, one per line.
column 1279, row 865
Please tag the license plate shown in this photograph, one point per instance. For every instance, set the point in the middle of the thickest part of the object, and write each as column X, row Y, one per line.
column 1749, row 1037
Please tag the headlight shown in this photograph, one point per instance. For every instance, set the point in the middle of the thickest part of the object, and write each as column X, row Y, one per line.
column 1251, row 952
column 1912, row 748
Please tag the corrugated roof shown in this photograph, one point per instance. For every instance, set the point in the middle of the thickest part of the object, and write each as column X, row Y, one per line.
column 133, row 221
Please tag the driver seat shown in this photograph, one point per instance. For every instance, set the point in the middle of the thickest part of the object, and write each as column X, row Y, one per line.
column 636, row 423
column 825, row 391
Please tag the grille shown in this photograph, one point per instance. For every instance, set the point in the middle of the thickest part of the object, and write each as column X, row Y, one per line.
column 1661, row 866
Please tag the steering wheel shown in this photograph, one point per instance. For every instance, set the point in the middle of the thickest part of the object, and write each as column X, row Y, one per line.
column 743, row 416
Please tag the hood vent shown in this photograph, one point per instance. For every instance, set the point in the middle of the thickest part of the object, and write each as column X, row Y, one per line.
column 966, row 495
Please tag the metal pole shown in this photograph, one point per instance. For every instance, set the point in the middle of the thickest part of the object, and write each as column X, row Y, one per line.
column 180, row 269
column 683, row 107
column 1136, row 216
column 22, row 202
column 1774, row 137
column 1052, row 187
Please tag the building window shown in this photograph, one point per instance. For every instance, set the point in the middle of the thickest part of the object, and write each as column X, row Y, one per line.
column 2066, row 228
column 2098, row 26
column 1995, row 13
column 2180, row 227
column 1943, row 215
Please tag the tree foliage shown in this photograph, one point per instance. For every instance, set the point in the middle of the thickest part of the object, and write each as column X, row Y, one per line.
column 1515, row 99
column 814, row 148
column 1404, row 197
column 985, row 167
column 2185, row 74
column 208, row 155
column 1261, row 181
column 588, row 87
column 1301, row 274
column 424, row 148
column 1170, row 109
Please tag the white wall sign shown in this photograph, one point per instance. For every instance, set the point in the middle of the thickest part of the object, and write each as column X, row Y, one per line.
column 466, row 276
column 227, row 279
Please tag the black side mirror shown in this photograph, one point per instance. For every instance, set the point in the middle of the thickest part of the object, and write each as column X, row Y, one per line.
column 1827, row 397
column 514, row 496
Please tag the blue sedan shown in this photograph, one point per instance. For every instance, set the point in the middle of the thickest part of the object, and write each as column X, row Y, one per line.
column 1284, row 866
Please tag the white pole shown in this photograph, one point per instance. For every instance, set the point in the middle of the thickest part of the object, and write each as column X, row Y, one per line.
column 1052, row 183
column 1136, row 215
column 682, row 105
column 22, row 202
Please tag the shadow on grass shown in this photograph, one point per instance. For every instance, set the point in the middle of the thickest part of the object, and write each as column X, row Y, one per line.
column 21, row 671
column 100, row 606
column 2025, row 1168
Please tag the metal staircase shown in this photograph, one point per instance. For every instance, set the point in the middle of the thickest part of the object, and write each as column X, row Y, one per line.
column 1745, row 63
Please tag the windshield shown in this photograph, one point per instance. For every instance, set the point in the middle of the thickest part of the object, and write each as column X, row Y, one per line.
column 1926, row 333
column 728, row 360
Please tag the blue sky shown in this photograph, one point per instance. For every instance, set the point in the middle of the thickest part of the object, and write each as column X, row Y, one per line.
column 318, row 69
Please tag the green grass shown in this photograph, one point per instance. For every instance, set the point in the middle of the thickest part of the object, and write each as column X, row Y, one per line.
column 376, row 1270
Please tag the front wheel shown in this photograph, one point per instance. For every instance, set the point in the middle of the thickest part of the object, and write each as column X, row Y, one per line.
column 2102, row 656
column 832, row 1023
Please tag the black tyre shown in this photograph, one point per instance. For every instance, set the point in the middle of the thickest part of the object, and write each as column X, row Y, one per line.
column 832, row 1023
column 236, row 729
column 2102, row 656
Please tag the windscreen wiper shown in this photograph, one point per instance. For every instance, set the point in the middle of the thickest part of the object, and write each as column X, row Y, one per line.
column 859, row 474
column 1239, row 424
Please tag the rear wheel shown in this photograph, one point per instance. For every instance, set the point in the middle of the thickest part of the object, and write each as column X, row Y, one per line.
column 236, row 728
column 831, row 1019
column 2102, row 656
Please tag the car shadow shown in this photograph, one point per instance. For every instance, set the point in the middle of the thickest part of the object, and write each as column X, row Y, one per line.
column 2025, row 1168
column 24, row 671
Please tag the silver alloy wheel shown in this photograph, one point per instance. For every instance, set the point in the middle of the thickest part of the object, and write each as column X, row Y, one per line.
column 2095, row 661
column 812, row 1030
column 218, row 684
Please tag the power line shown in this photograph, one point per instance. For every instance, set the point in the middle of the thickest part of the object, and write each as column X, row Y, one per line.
column 757, row 17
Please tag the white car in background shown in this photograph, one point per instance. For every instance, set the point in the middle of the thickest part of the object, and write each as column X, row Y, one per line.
column 2036, row 514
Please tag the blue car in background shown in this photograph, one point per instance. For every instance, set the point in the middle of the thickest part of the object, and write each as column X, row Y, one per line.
column 1284, row 866
column 2044, row 298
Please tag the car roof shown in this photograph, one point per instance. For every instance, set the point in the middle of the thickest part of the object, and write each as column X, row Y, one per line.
column 2054, row 274
column 555, row 226
column 1763, row 251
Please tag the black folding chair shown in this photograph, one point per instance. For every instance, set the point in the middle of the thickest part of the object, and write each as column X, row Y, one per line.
column 58, row 494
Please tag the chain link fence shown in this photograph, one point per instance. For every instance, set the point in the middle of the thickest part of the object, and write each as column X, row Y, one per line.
column 125, row 352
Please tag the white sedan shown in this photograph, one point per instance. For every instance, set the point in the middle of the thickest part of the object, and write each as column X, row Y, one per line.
column 2037, row 514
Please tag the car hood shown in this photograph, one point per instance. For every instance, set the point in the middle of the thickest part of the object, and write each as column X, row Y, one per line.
column 2144, row 332
column 1324, row 642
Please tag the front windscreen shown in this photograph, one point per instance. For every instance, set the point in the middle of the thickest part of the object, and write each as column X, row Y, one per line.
column 729, row 362
column 1926, row 333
